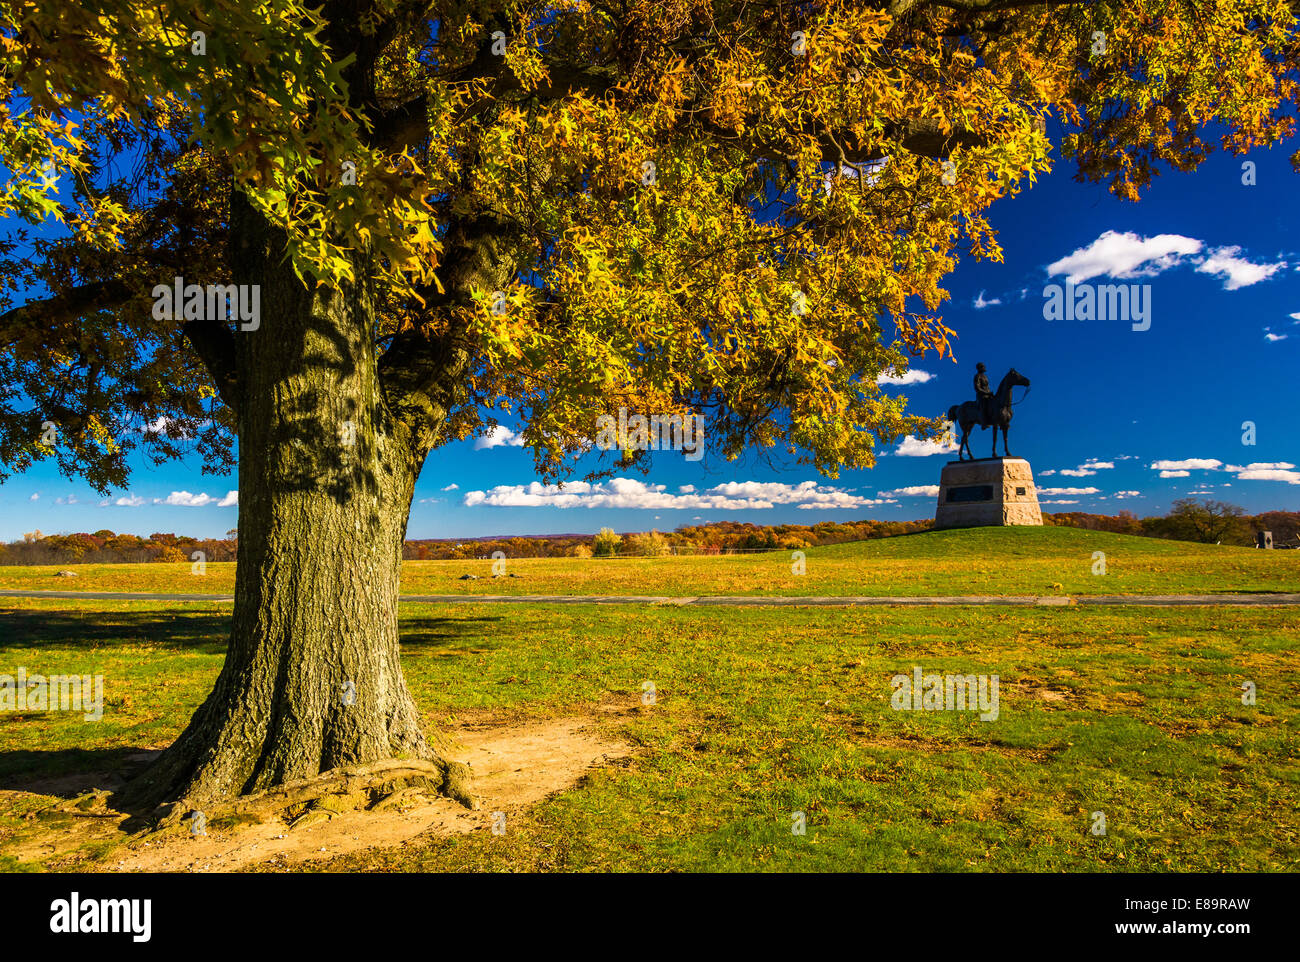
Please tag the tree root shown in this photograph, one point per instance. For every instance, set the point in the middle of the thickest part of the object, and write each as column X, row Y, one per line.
column 370, row 786
column 93, row 804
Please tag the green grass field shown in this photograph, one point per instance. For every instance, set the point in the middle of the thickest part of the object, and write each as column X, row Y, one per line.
column 763, row 712
column 989, row 561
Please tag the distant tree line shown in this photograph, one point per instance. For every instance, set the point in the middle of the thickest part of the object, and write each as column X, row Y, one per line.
column 106, row 547
column 1192, row 519
column 718, row 538
column 1208, row 522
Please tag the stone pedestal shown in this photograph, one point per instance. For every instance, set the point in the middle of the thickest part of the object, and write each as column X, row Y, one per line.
column 988, row 491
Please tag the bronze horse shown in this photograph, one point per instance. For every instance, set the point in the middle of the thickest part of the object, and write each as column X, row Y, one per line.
column 968, row 414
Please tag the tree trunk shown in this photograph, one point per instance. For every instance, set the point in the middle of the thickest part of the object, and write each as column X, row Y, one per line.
column 312, row 679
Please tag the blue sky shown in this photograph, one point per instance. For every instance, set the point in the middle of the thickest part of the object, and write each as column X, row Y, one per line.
column 1117, row 418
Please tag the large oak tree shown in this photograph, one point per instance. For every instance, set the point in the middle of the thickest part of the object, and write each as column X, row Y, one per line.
column 455, row 211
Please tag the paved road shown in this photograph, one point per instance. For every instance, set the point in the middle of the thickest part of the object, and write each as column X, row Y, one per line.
column 1159, row 601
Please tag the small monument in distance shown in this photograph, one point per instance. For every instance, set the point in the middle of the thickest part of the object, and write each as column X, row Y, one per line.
column 989, row 491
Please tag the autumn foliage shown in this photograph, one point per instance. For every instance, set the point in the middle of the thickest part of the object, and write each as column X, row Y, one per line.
column 744, row 210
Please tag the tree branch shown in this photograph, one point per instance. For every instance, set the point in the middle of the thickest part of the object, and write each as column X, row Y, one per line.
column 419, row 374
column 70, row 304
column 899, row 8
column 402, row 126
column 925, row 138
column 214, row 343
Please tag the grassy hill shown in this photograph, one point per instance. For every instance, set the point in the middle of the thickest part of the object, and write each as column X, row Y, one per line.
column 986, row 561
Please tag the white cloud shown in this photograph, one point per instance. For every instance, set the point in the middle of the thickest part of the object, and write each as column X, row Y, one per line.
column 1088, row 468
column 914, row 491
column 1296, row 316
column 170, row 428
column 69, row 499
column 871, row 172
column 1060, row 502
column 1052, row 491
column 185, row 499
column 1236, row 272
column 1264, row 472
column 980, row 303
column 631, row 493
column 450, row 487
column 1127, row 494
column 498, row 436
column 1125, row 255
column 910, row 447
column 1046, row 474
column 180, row 499
column 36, row 496
column 1175, row 474
column 1191, row 464
column 1276, row 337
column 910, row 376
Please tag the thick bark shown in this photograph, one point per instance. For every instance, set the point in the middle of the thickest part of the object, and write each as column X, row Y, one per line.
column 312, row 679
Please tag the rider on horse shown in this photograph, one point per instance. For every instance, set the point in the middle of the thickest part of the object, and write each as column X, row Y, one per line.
column 983, row 395
column 990, row 410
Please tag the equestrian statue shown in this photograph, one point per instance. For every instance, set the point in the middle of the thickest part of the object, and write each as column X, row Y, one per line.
column 990, row 409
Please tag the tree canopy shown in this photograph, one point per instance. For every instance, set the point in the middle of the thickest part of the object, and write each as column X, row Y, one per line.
column 741, row 209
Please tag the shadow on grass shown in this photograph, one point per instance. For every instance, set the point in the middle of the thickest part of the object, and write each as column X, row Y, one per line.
column 429, row 632
column 69, row 772
column 181, row 631
column 203, row 632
